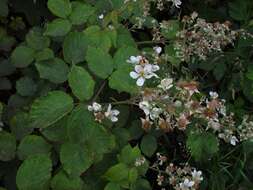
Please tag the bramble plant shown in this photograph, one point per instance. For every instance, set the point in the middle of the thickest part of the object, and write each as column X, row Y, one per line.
column 126, row 94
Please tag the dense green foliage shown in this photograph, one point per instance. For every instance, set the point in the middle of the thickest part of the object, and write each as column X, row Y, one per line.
column 57, row 57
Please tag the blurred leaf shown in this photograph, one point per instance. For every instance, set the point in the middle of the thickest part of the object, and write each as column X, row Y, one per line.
column 34, row 173
column 202, row 145
column 55, row 70
column 148, row 145
column 60, row 8
column 80, row 12
column 48, row 109
column 241, row 10
column 22, row 56
column 4, row 10
column 81, row 83
column 61, row 181
column 99, row 62
column 82, row 129
column 123, row 54
column 75, row 47
column 26, row 86
column 6, row 68
column 44, row 55
column 112, row 186
column 58, row 27
column 121, row 81
column 128, row 155
column 19, row 125
column 36, row 40
column 31, row 145
column 57, row 132
column 7, row 146
column 170, row 30
column 75, row 159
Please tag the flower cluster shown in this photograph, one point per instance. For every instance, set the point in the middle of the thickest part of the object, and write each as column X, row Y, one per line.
column 246, row 129
column 180, row 178
column 175, row 105
column 160, row 3
column 142, row 68
column 140, row 161
column 200, row 38
column 111, row 114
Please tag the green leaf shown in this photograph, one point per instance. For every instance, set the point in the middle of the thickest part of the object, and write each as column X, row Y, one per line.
column 57, row 132
column 123, row 54
column 141, row 184
column 74, row 47
column 98, row 38
column 128, row 155
column 117, row 173
column 121, row 81
column 55, row 70
column 44, row 55
column 171, row 55
column 99, row 62
column 6, row 68
column 34, row 173
column 80, row 13
column 32, row 144
column 202, row 145
column 83, row 129
column 5, row 83
column 26, row 86
column 132, row 175
column 22, row 56
column 122, row 136
column 48, row 109
column 135, row 130
column 19, row 125
column 81, row 83
column 125, row 38
column 36, row 40
column 63, row 182
column 240, row 10
column 75, row 159
column 60, row 8
column 7, row 146
column 58, row 27
column 112, row 186
column 219, row 71
column 4, row 10
column 148, row 145
column 171, row 29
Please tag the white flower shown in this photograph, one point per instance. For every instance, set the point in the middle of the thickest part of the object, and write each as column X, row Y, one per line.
column 166, row 84
column 155, row 112
column 214, row 124
column 178, row 103
column 145, row 106
column 197, row 176
column 157, row 49
column 186, row 185
column 213, row 95
column 112, row 114
column 134, row 59
column 142, row 73
column 101, row 16
column 176, row 3
column 139, row 161
column 233, row 140
column 95, row 107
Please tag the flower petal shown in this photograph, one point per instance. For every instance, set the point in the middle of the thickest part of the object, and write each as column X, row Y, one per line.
column 134, row 75
column 140, row 81
column 138, row 68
